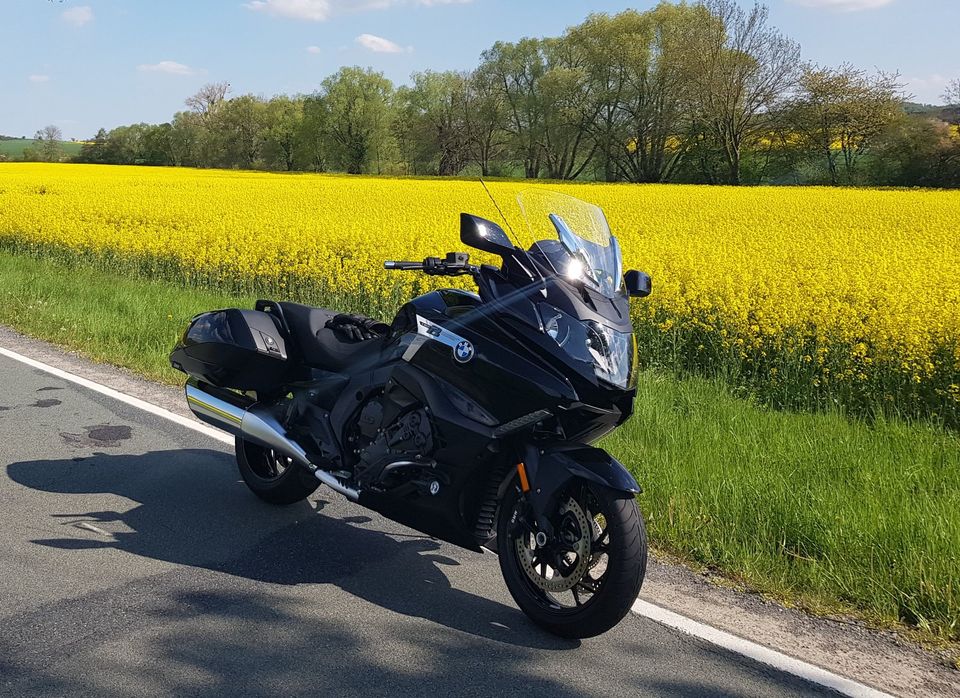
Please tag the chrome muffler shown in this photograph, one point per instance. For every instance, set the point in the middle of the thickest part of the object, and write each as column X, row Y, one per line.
column 245, row 418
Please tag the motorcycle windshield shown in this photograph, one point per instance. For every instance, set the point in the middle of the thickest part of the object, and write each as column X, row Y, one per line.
column 587, row 251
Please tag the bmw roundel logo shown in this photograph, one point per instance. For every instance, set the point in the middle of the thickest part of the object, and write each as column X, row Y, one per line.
column 463, row 352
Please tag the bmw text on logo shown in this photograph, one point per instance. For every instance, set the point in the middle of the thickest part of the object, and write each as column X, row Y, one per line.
column 463, row 352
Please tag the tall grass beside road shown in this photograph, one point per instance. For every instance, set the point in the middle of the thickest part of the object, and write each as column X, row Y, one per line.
column 818, row 508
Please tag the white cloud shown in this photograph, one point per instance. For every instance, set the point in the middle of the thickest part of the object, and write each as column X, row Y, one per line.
column 314, row 49
column 39, row 78
column 78, row 16
column 322, row 10
column 170, row 67
column 929, row 89
column 378, row 44
column 845, row 5
column 311, row 10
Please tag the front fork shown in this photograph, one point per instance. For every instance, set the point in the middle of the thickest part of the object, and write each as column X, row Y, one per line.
column 546, row 469
column 538, row 496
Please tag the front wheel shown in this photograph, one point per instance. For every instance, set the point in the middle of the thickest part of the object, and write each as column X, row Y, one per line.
column 582, row 580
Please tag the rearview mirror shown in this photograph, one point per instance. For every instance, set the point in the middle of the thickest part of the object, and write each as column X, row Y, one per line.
column 483, row 235
column 637, row 283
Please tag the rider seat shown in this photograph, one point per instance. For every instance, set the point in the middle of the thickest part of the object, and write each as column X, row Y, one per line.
column 321, row 346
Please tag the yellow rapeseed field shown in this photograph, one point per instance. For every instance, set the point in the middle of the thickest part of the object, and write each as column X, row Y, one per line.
column 840, row 294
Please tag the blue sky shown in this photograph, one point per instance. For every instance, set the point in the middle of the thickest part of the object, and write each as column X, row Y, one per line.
column 82, row 64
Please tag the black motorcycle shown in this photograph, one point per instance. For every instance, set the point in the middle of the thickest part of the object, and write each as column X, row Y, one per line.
column 468, row 418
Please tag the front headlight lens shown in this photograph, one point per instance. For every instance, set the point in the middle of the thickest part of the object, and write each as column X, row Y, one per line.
column 613, row 354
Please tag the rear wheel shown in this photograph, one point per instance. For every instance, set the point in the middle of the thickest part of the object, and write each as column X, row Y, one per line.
column 272, row 476
column 582, row 580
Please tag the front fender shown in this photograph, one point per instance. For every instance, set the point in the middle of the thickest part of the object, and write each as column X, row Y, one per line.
column 550, row 469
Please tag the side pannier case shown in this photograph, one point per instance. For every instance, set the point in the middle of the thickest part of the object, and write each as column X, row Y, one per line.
column 238, row 349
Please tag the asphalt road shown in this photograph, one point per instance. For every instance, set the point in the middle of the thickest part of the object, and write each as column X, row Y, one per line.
column 134, row 561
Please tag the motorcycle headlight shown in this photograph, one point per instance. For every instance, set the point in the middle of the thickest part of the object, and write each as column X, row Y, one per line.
column 613, row 354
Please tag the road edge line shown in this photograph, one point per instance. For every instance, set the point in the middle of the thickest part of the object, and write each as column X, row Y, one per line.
column 757, row 652
column 714, row 636
column 120, row 396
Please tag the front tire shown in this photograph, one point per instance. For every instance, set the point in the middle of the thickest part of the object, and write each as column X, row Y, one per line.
column 583, row 582
column 271, row 476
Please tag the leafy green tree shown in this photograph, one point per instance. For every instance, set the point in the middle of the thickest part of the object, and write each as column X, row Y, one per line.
column 430, row 123
column 742, row 68
column 185, row 138
column 283, row 123
column 311, row 136
column 639, row 70
column 136, row 144
column 609, row 46
column 917, row 150
column 404, row 127
column 355, row 106
column 484, row 114
column 207, row 144
column 49, row 146
column 548, row 103
column 155, row 145
column 570, row 107
column 518, row 70
column 94, row 151
column 241, row 124
column 839, row 113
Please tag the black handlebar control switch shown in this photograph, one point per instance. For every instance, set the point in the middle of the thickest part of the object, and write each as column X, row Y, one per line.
column 457, row 258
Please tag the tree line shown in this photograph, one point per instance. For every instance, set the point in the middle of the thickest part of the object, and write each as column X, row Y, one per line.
column 706, row 92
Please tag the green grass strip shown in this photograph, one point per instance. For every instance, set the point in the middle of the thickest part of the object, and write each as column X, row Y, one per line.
column 817, row 509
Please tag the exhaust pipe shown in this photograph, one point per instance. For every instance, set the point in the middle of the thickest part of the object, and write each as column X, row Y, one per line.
column 243, row 417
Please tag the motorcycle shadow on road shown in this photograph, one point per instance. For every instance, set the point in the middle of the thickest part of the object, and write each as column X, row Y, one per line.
column 192, row 509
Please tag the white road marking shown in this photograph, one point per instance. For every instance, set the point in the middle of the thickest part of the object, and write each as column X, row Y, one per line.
column 756, row 652
column 720, row 638
column 122, row 397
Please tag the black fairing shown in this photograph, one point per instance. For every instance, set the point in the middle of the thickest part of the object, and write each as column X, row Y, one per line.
column 506, row 380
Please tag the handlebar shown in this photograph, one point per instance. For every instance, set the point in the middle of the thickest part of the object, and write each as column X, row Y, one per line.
column 403, row 266
column 454, row 264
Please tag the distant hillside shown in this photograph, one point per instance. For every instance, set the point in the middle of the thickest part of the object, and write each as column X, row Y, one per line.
column 13, row 147
column 944, row 113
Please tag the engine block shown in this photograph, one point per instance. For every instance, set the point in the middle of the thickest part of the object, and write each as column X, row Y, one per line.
column 381, row 441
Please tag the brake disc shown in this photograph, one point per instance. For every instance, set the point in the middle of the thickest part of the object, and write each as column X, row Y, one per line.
column 554, row 581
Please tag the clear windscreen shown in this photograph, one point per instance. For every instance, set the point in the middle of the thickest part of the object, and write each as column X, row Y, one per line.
column 574, row 239
column 571, row 239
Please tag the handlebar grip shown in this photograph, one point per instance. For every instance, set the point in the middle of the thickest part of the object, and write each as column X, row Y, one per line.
column 403, row 266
